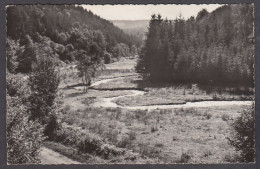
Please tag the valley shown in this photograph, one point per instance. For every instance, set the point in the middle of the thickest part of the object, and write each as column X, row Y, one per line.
column 174, row 128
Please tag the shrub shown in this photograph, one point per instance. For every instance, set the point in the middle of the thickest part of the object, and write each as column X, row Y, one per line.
column 225, row 117
column 23, row 137
column 132, row 135
column 207, row 115
column 112, row 135
column 124, row 142
column 51, row 126
column 185, row 157
column 175, row 138
column 154, row 129
column 28, row 57
column 44, row 83
column 86, row 142
column 13, row 50
column 231, row 158
column 107, row 58
column 159, row 145
column 88, row 145
column 207, row 153
column 107, row 150
column 149, row 151
column 243, row 139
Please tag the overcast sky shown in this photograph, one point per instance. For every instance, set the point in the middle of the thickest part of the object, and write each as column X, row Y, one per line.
column 144, row 12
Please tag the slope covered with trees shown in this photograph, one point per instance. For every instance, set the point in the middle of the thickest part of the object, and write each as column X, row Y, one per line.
column 70, row 31
column 213, row 48
column 39, row 38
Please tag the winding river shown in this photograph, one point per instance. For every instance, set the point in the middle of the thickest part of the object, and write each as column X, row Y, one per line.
column 108, row 102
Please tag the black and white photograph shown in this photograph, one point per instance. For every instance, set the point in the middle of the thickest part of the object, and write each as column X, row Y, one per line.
column 130, row 84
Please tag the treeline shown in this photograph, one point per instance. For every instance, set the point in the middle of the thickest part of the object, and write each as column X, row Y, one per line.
column 70, row 31
column 213, row 48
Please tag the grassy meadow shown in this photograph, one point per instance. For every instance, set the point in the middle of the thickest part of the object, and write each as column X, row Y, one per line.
column 119, row 135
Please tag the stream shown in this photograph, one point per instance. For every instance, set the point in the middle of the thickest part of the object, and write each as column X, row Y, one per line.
column 108, row 102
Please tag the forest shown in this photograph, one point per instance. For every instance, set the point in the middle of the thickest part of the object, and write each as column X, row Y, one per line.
column 79, row 86
column 212, row 48
column 41, row 39
column 69, row 31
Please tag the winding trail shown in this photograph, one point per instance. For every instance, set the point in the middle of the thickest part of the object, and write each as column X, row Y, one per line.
column 49, row 156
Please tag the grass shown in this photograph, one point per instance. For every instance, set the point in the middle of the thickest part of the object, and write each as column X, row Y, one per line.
column 164, row 132
column 126, row 82
column 179, row 94
column 182, row 135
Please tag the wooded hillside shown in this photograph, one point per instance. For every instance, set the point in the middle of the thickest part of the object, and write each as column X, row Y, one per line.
column 70, row 31
column 214, row 48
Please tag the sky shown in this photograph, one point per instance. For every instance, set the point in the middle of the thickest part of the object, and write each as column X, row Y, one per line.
column 144, row 12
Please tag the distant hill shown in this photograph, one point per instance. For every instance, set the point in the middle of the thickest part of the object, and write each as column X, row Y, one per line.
column 70, row 31
column 52, row 20
column 133, row 27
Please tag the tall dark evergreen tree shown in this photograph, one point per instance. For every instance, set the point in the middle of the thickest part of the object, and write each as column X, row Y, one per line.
column 214, row 48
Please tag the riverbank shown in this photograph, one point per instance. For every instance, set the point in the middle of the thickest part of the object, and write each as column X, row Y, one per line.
column 166, row 123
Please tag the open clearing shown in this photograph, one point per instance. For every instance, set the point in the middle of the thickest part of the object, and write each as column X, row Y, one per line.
column 162, row 123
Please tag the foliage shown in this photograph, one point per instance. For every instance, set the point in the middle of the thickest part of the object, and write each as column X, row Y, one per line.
column 28, row 57
column 44, row 82
column 244, row 137
column 215, row 47
column 121, row 50
column 86, row 142
column 64, row 24
column 89, row 64
column 107, row 58
column 23, row 137
column 13, row 51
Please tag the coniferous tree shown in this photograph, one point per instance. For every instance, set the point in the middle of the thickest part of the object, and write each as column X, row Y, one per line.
column 215, row 48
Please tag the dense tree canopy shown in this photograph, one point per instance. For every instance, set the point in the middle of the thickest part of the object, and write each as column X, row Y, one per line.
column 65, row 24
column 214, row 47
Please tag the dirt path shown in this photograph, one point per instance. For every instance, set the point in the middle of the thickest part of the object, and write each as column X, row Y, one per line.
column 49, row 156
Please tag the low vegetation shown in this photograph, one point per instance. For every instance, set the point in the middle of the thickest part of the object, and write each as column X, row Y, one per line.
column 195, row 129
column 243, row 138
column 177, row 94
column 23, row 137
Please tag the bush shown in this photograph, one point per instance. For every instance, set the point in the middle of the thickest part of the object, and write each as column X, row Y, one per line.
column 51, row 126
column 207, row 115
column 225, row 117
column 44, row 83
column 244, row 139
column 132, row 135
column 13, row 50
column 185, row 157
column 28, row 57
column 23, row 137
column 124, row 142
column 107, row 58
column 86, row 142
column 154, row 129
